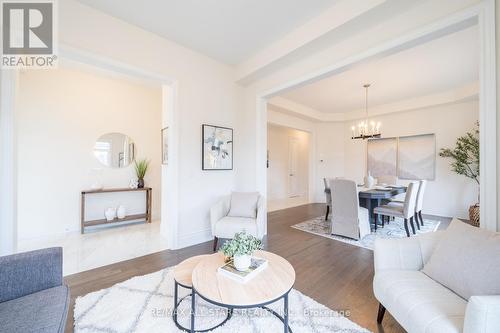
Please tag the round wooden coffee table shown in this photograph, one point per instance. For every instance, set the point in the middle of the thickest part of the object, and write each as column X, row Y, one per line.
column 182, row 277
column 270, row 285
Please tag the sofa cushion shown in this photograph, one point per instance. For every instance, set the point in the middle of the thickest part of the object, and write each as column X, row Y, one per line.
column 228, row 226
column 466, row 260
column 243, row 204
column 42, row 312
column 419, row 303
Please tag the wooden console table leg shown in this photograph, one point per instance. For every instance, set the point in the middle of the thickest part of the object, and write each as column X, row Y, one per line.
column 82, row 212
column 148, row 205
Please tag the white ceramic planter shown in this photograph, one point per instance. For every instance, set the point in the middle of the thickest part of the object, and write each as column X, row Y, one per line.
column 242, row 263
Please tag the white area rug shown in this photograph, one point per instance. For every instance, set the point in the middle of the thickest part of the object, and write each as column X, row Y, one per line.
column 145, row 303
column 395, row 229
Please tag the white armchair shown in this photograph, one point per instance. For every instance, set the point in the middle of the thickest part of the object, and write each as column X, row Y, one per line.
column 419, row 303
column 226, row 222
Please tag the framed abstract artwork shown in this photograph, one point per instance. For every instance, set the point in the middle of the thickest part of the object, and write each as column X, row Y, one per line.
column 217, row 147
column 382, row 157
column 417, row 157
column 164, row 146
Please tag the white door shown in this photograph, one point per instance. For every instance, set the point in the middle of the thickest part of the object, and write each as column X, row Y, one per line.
column 293, row 168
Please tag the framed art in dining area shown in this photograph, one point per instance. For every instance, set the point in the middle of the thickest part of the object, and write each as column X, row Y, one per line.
column 217, row 148
column 382, row 157
column 417, row 157
column 164, row 146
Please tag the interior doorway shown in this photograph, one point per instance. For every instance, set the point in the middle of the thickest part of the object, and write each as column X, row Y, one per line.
column 288, row 169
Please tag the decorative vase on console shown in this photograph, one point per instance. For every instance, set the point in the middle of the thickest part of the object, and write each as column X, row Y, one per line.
column 133, row 184
column 110, row 213
column 121, row 212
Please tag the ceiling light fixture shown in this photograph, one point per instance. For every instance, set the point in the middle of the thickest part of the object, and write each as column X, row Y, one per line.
column 366, row 129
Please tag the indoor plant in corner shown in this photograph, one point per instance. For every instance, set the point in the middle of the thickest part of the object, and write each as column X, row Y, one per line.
column 241, row 248
column 465, row 162
column 141, row 167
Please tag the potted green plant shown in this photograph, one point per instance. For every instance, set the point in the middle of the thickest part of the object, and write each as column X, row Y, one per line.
column 141, row 167
column 465, row 161
column 241, row 248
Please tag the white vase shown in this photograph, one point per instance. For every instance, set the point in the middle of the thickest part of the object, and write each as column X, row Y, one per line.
column 121, row 212
column 369, row 181
column 110, row 213
column 242, row 262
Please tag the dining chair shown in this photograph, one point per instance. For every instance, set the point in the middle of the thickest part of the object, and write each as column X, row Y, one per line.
column 328, row 195
column 418, row 205
column 405, row 211
column 348, row 218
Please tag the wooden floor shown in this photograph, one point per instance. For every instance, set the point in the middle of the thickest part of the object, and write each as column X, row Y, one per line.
column 333, row 273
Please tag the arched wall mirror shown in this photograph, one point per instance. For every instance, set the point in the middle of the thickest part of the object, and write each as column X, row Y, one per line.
column 114, row 150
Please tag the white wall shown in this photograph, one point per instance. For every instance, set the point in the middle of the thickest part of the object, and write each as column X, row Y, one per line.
column 60, row 115
column 207, row 93
column 497, row 35
column 337, row 155
column 277, row 174
column 330, row 155
column 449, row 194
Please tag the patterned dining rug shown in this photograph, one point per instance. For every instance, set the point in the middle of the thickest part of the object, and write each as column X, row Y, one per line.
column 395, row 229
column 144, row 304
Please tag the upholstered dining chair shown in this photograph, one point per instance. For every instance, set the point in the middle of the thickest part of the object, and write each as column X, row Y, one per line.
column 405, row 211
column 240, row 211
column 328, row 195
column 348, row 218
column 418, row 205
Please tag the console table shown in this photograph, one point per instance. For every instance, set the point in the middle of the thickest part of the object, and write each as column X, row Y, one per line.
column 146, row 216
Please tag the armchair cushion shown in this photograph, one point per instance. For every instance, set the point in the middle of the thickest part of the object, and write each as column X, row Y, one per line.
column 464, row 260
column 228, row 226
column 243, row 204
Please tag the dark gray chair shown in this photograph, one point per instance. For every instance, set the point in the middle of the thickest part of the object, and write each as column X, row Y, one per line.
column 33, row 297
column 328, row 194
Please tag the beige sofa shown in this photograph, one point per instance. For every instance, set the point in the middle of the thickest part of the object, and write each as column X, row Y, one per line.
column 419, row 303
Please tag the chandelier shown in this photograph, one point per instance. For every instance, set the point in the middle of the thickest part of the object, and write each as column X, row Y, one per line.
column 366, row 129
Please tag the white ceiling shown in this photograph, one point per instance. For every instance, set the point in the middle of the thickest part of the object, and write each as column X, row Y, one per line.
column 227, row 30
column 443, row 64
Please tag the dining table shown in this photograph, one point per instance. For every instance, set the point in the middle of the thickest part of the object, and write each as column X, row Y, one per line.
column 370, row 198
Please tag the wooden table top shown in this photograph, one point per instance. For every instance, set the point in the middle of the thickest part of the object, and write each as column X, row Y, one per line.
column 184, row 270
column 270, row 284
